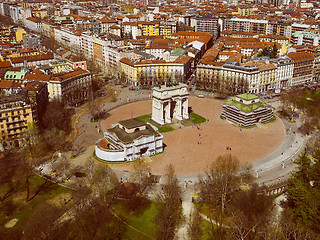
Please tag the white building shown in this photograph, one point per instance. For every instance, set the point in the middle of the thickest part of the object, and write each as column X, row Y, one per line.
column 170, row 103
column 284, row 71
column 128, row 140
column 68, row 37
column 34, row 24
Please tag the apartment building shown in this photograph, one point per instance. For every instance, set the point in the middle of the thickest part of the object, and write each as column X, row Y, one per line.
column 16, row 114
column 105, row 24
column 280, row 28
column 73, row 87
column 305, row 38
column 245, row 25
column 303, row 67
column 151, row 72
column 68, row 37
column 7, row 34
column 145, row 28
column 240, row 78
column 130, row 30
column 284, row 72
column 206, row 23
column 34, row 24
column 31, row 40
column 40, row 59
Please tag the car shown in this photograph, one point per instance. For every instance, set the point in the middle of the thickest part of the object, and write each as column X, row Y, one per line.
column 200, row 96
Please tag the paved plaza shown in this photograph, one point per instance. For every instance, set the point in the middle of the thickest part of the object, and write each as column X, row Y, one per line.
column 192, row 149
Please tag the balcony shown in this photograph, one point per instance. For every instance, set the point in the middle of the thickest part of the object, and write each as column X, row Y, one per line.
column 16, row 127
column 15, row 121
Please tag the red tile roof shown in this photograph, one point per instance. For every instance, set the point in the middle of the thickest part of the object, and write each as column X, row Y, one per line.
column 5, row 64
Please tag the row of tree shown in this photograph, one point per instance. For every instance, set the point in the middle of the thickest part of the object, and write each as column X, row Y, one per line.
column 230, row 204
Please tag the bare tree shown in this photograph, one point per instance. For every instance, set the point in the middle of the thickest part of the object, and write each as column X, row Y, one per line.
column 218, row 188
column 252, row 211
column 169, row 201
column 195, row 231
column 143, row 179
column 41, row 224
column 105, row 183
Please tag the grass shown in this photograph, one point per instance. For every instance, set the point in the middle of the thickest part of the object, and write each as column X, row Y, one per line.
column 144, row 118
column 271, row 120
column 141, row 219
column 196, row 119
column 165, row 129
column 94, row 120
column 23, row 210
column 157, row 154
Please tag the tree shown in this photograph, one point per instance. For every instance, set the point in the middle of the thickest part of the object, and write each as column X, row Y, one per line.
column 195, row 226
column 252, row 212
column 221, row 182
column 264, row 52
column 143, row 179
column 41, row 225
column 54, row 139
column 274, row 51
column 303, row 193
column 169, row 209
column 218, row 188
column 105, row 184
column 56, row 116
column 92, row 220
column 10, row 166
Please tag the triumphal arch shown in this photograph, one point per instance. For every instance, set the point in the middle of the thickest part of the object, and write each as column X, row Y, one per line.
column 170, row 102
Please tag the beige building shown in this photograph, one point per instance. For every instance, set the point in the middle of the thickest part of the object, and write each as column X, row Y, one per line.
column 16, row 116
column 150, row 72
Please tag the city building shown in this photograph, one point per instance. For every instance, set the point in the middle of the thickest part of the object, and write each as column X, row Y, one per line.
column 128, row 140
column 151, row 72
column 303, row 67
column 246, row 110
column 206, row 23
column 17, row 115
column 31, row 40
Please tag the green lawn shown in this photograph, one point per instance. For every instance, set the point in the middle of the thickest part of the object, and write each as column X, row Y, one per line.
column 196, row 119
column 144, row 118
column 141, row 219
column 165, row 129
column 94, row 120
column 21, row 209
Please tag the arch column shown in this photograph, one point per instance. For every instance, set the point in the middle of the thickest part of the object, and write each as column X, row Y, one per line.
column 185, row 108
column 168, row 115
column 179, row 114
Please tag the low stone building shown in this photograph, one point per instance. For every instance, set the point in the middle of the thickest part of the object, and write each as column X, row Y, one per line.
column 128, row 140
column 246, row 110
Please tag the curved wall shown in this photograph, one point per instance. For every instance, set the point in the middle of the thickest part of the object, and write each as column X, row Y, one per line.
column 109, row 155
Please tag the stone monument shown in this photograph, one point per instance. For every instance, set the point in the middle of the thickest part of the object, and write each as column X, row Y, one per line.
column 170, row 101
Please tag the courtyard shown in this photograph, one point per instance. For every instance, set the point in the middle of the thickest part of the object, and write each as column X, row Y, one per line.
column 191, row 149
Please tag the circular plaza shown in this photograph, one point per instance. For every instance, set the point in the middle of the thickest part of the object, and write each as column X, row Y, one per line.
column 191, row 149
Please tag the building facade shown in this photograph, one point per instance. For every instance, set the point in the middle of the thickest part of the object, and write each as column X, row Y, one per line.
column 246, row 110
column 128, row 140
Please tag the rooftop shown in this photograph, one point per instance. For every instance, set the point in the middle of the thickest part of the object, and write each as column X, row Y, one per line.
column 246, row 107
column 125, row 137
column 132, row 123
